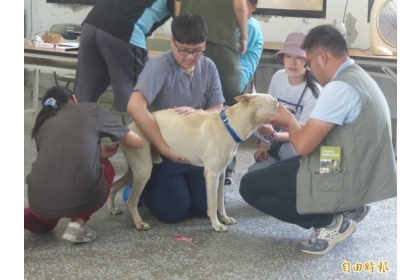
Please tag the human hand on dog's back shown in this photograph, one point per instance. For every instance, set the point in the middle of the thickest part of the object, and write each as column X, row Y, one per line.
column 188, row 110
column 184, row 110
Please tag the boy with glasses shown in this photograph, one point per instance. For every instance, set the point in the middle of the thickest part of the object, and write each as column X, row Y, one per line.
column 184, row 79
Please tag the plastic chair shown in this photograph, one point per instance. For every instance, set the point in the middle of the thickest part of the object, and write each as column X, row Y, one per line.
column 63, row 29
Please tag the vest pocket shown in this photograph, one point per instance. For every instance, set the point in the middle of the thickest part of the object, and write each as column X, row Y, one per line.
column 328, row 188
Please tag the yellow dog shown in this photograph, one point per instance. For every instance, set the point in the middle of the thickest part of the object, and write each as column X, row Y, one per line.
column 220, row 134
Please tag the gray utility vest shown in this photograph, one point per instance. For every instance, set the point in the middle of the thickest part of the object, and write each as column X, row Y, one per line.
column 368, row 167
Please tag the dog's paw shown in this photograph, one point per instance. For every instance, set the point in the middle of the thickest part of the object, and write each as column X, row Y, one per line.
column 228, row 220
column 115, row 211
column 142, row 226
column 220, row 228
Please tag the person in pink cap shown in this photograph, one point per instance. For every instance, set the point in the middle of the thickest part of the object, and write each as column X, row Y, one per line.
column 295, row 87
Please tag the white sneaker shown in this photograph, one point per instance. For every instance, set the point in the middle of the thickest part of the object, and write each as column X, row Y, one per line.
column 76, row 233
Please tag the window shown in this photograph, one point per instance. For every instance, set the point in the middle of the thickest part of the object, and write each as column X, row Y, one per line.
column 292, row 8
column 80, row 2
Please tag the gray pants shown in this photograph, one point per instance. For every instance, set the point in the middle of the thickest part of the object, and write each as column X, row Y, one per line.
column 272, row 190
column 104, row 60
column 263, row 164
column 286, row 151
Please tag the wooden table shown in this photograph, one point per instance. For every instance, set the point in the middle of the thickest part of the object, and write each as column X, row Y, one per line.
column 376, row 65
column 49, row 61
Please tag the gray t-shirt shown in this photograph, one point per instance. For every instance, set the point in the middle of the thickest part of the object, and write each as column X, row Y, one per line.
column 67, row 177
column 165, row 85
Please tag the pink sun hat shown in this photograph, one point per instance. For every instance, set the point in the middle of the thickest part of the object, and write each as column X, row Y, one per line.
column 292, row 46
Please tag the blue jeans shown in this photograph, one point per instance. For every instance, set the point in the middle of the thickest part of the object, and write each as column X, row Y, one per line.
column 174, row 190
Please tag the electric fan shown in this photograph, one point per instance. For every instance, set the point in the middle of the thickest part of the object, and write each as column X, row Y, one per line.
column 383, row 27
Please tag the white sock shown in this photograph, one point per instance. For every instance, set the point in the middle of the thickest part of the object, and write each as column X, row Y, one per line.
column 74, row 224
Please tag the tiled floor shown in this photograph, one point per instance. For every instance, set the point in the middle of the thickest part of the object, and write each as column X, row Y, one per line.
column 257, row 247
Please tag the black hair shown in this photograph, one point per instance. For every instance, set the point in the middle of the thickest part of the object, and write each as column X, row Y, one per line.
column 189, row 29
column 52, row 101
column 253, row 2
column 327, row 37
column 311, row 83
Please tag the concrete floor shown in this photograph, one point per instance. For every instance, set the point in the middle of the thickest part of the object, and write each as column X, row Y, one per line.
column 257, row 247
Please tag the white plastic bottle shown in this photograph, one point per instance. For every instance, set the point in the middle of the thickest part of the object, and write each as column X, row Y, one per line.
column 343, row 30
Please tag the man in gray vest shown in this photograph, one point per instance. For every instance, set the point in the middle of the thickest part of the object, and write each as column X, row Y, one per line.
column 351, row 113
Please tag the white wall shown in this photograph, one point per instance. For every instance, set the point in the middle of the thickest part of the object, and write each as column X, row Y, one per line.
column 277, row 28
column 40, row 16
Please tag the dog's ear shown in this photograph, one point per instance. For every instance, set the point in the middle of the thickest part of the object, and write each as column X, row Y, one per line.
column 246, row 97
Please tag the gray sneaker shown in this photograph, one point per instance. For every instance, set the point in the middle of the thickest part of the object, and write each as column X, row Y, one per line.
column 76, row 233
column 324, row 239
column 358, row 214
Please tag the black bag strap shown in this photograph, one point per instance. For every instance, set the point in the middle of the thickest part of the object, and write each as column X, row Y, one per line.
column 276, row 145
column 301, row 96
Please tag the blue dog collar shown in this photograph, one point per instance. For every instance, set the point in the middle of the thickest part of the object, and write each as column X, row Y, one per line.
column 225, row 121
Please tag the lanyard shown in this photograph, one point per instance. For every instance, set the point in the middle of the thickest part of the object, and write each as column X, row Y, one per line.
column 301, row 96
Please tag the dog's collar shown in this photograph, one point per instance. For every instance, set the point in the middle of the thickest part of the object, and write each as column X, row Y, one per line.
column 225, row 121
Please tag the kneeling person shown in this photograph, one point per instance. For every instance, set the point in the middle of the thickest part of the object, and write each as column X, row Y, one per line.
column 184, row 79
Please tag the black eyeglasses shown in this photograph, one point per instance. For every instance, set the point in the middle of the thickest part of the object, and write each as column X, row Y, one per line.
column 308, row 63
column 186, row 52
